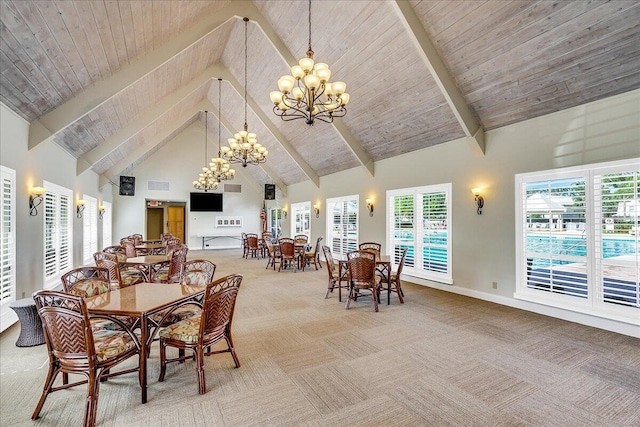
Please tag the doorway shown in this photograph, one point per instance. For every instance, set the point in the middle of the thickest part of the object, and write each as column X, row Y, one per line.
column 155, row 223
column 175, row 223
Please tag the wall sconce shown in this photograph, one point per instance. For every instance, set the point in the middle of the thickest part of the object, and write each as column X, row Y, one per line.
column 284, row 212
column 35, row 198
column 316, row 209
column 80, row 207
column 101, row 210
column 370, row 206
column 478, row 199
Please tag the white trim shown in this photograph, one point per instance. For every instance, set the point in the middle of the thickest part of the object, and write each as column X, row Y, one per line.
column 54, row 279
column 306, row 208
column 594, row 304
column 329, row 223
column 7, row 316
column 620, row 327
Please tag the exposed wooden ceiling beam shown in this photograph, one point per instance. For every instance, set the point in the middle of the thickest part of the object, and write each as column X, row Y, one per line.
column 167, row 130
column 444, row 80
column 295, row 156
column 89, row 159
column 45, row 127
column 274, row 176
column 346, row 135
column 148, row 145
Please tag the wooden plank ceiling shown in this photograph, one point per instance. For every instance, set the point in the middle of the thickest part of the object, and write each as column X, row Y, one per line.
column 113, row 81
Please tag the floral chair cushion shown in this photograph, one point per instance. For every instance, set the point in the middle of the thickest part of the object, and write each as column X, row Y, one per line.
column 197, row 278
column 89, row 288
column 185, row 330
column 177, row 315
column 109, row 344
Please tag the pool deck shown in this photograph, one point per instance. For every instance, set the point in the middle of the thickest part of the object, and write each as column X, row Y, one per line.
column 619, row 267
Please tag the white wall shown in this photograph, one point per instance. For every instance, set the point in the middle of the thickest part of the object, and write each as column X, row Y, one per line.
column 46, row 162
column 484, row 245
column 179, row 162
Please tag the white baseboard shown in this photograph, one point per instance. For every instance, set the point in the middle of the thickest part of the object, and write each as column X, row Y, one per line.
column 571, row 316
column 7, row 318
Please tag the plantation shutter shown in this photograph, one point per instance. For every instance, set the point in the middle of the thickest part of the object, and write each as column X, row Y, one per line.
column 617, row 211
column 90, row 229
column 404, row 228
column 556, row 235
column 342, row 225
column 58, row 253
column 421, row 223
column 8, row 237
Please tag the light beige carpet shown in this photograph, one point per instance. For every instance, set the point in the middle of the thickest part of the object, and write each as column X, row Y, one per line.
column 438, row 360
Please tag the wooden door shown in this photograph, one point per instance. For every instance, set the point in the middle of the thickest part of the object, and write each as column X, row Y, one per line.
column 155, row 223
column 176, row 221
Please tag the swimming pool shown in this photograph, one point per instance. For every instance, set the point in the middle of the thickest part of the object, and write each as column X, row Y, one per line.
column 612, row 246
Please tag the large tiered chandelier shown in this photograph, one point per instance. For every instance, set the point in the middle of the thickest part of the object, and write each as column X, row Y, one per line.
column 206, row 181
column 219, row 167
column 307, row 93
column 243, row 147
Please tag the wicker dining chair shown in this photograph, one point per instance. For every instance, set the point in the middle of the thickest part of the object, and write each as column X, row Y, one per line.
column 313, row 256
column 362, row 276
column 288, row 254
column 120, row 276
column 86, row 282
column 245, row 246
column 74, row 348
column 201, row 332
column 273, row 255
column 137, row 239
column 118, row 250
column 253, row 245
column 371, row 247
column 301, row 239
column 173, row 270
column 394, row 279
column 334, row 274
column 198, row 272
column 129, row 248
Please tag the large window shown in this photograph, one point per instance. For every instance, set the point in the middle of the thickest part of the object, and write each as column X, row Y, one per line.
column 342, row 225
column 301, row 218
column 419, row 219
column 89, row 229
column 7, row 239
column 58, row 233
column 275, row 223
column 577, row 241
column 106, row 225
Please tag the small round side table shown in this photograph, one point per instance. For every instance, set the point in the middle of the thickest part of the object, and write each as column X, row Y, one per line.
column 31, row 333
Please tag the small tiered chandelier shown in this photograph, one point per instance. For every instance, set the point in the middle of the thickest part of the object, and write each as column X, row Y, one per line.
column 206, row 181
column 306, row 100
column 243, row 147
column 219, row 167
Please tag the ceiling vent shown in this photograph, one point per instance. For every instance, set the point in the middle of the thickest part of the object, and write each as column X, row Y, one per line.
column 233, row 188
column 158, row 185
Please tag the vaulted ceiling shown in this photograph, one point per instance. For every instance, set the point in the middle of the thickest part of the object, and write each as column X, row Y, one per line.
column 113, row 81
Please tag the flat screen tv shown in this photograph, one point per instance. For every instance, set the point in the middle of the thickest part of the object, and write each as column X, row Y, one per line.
column 206, row 202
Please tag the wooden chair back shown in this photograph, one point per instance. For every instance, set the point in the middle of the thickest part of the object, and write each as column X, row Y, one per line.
column 86, row 281
column 198, row 272
column 362, row 267
column 301, row 239
column 219, row 304
column 371, row 247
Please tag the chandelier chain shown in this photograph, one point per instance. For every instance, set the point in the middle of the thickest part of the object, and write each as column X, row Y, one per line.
column 310, row 25
column 307, row 92
column 246, row 23
column 219, row 111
